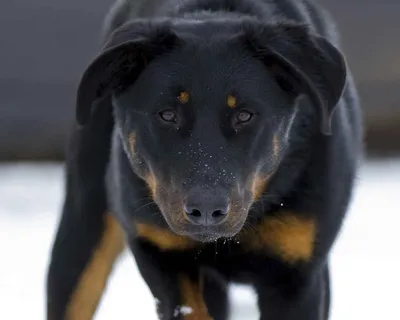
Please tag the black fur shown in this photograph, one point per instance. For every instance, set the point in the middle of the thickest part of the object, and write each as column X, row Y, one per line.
column 282, row 62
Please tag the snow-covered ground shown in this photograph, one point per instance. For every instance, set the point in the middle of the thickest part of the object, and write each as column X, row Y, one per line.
column 365, row 260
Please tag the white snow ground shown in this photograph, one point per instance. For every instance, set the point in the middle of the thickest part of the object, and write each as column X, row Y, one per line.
column 365, row 260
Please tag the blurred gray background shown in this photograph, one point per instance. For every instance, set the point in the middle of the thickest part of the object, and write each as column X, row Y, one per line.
column 46, row 44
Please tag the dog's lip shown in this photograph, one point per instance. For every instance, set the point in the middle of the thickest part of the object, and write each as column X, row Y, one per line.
column 207, row 234
column 204, row 237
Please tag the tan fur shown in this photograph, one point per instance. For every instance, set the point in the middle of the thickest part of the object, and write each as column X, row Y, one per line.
column 164, row 239
column 288, row 235
column 184, row 97
column 192, row 297
column 258, row 186
column 150, row 179
column 276, row 145
column 151, row 184
column 132, row 141
column 231, row 101
column 88, row 292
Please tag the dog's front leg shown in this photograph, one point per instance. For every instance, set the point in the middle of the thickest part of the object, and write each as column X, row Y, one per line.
column 295, row 296
column 174, row 282
column 84, row 252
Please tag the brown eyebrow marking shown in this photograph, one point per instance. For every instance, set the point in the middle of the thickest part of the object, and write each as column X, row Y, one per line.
column 231, row 101
column 184, row 97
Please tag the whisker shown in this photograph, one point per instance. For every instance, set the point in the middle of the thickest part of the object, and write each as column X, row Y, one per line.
column 143, row 206
column 249, row 227
column 143, row 199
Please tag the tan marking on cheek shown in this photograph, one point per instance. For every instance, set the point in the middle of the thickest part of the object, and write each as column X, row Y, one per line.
column 184, row 97
column 91, row 284
column 258, row 186
column 290, row 237
column 164, row 239
column 276, row 146
column 132, row 141
column 151, row 184
column 231, row 101
column 192, row 297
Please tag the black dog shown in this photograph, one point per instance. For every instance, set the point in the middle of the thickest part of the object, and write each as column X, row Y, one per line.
column 219, row 139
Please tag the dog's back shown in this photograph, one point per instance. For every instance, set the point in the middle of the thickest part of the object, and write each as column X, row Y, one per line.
column 303, row 11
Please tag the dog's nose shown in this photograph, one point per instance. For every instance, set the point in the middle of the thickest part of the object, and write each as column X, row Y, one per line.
column 206, row 207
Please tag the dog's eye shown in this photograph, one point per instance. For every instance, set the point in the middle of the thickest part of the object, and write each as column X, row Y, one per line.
column 168, row 115
column 243, row 116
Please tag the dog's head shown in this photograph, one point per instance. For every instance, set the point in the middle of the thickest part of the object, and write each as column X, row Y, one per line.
column 204, row 110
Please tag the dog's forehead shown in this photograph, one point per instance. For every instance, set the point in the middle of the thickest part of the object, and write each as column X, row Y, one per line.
column 211, row 73
column 210, row 62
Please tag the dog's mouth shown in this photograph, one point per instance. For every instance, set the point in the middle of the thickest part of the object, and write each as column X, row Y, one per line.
column 205, row 237
column 208, row 235
column 179, row 222
column 228, row 229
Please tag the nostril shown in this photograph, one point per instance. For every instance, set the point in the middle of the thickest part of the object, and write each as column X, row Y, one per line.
column 195, row 213
column 218, row 213
column 217, row 216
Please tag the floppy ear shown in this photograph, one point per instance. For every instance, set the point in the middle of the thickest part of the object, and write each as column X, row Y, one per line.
column 302, row 62
column 123, row 56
